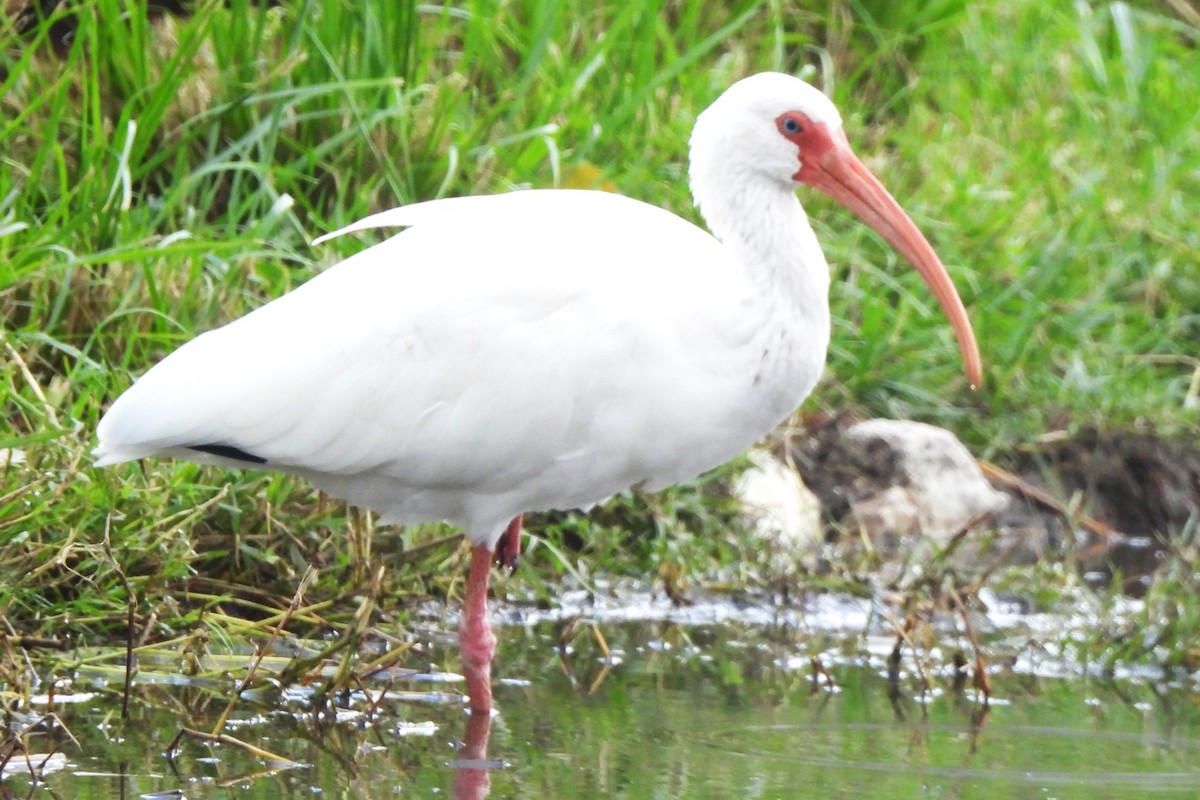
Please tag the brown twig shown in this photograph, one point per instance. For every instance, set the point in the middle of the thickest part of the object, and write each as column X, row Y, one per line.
column 1046, row 500
column 37, row 642
column 352, row 636
column 982, row 681
column 224, row 738
column 819, row 673
column 309, row 576
column 32, row 382
column 131, row 617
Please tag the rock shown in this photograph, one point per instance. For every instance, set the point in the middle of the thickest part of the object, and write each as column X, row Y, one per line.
column 938, row 489
column 779, row 507
column 1114, row 502
column 889, row 518
column 899, row 487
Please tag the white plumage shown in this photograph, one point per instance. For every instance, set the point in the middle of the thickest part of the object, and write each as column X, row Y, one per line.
column 504, row 354
column 539, row 349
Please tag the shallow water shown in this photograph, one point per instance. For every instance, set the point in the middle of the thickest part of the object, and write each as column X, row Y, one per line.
column 675, row 711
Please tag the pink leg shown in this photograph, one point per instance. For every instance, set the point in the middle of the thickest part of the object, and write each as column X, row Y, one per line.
column 509, row 546
column 475, row 638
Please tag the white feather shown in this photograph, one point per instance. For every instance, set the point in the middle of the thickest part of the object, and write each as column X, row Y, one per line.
column 509, row 353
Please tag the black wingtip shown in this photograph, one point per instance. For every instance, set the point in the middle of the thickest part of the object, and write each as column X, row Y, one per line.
column 228, row 451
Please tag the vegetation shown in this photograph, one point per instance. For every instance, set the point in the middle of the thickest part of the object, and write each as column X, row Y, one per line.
column 161, row 175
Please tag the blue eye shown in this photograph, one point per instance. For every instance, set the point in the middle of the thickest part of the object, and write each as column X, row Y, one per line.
column 790, row 125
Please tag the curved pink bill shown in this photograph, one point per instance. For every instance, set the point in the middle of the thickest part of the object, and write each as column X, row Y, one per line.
column 836, row 171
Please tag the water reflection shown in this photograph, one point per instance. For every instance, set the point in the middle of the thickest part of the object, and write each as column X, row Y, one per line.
column 472, row 779
column 678, row 712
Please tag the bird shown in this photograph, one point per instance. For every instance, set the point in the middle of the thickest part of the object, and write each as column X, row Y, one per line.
column 543, row 348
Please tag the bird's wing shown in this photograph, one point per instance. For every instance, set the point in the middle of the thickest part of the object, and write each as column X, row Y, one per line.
column 433, row 211
column 496, row 337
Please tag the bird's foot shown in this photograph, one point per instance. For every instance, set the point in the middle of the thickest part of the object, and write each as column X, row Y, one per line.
column 508, row 549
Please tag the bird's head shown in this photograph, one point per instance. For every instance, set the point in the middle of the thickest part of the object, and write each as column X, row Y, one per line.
column 765, row 124
column 776, row 129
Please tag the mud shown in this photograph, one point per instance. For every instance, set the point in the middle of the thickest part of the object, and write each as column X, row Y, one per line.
column 1113, row 503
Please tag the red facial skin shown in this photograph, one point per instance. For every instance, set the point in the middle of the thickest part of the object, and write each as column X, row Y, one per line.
column 828, row 164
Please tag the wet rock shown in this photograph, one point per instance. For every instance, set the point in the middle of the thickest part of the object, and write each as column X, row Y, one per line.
column 890, row 518
column 937, row 490
column 896, row 484
column 779, row 507
column 1109, row 503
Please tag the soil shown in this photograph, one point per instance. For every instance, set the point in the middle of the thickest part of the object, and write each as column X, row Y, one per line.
column 1113, row 502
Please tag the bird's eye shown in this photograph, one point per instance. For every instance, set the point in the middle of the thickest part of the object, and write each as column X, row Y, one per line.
column 790, row 125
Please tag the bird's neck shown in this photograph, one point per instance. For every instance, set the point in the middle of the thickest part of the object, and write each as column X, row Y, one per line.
column 767, row 232
column 786, row 304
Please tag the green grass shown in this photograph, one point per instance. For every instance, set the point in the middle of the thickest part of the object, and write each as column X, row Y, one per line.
column 159, row 179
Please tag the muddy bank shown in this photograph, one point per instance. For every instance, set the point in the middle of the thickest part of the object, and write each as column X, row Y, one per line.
column 1112, row 503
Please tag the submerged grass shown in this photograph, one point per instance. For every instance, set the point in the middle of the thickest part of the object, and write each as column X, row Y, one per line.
column 160, row 176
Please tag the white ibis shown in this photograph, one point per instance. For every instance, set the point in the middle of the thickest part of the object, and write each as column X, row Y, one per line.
column 540, row 349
